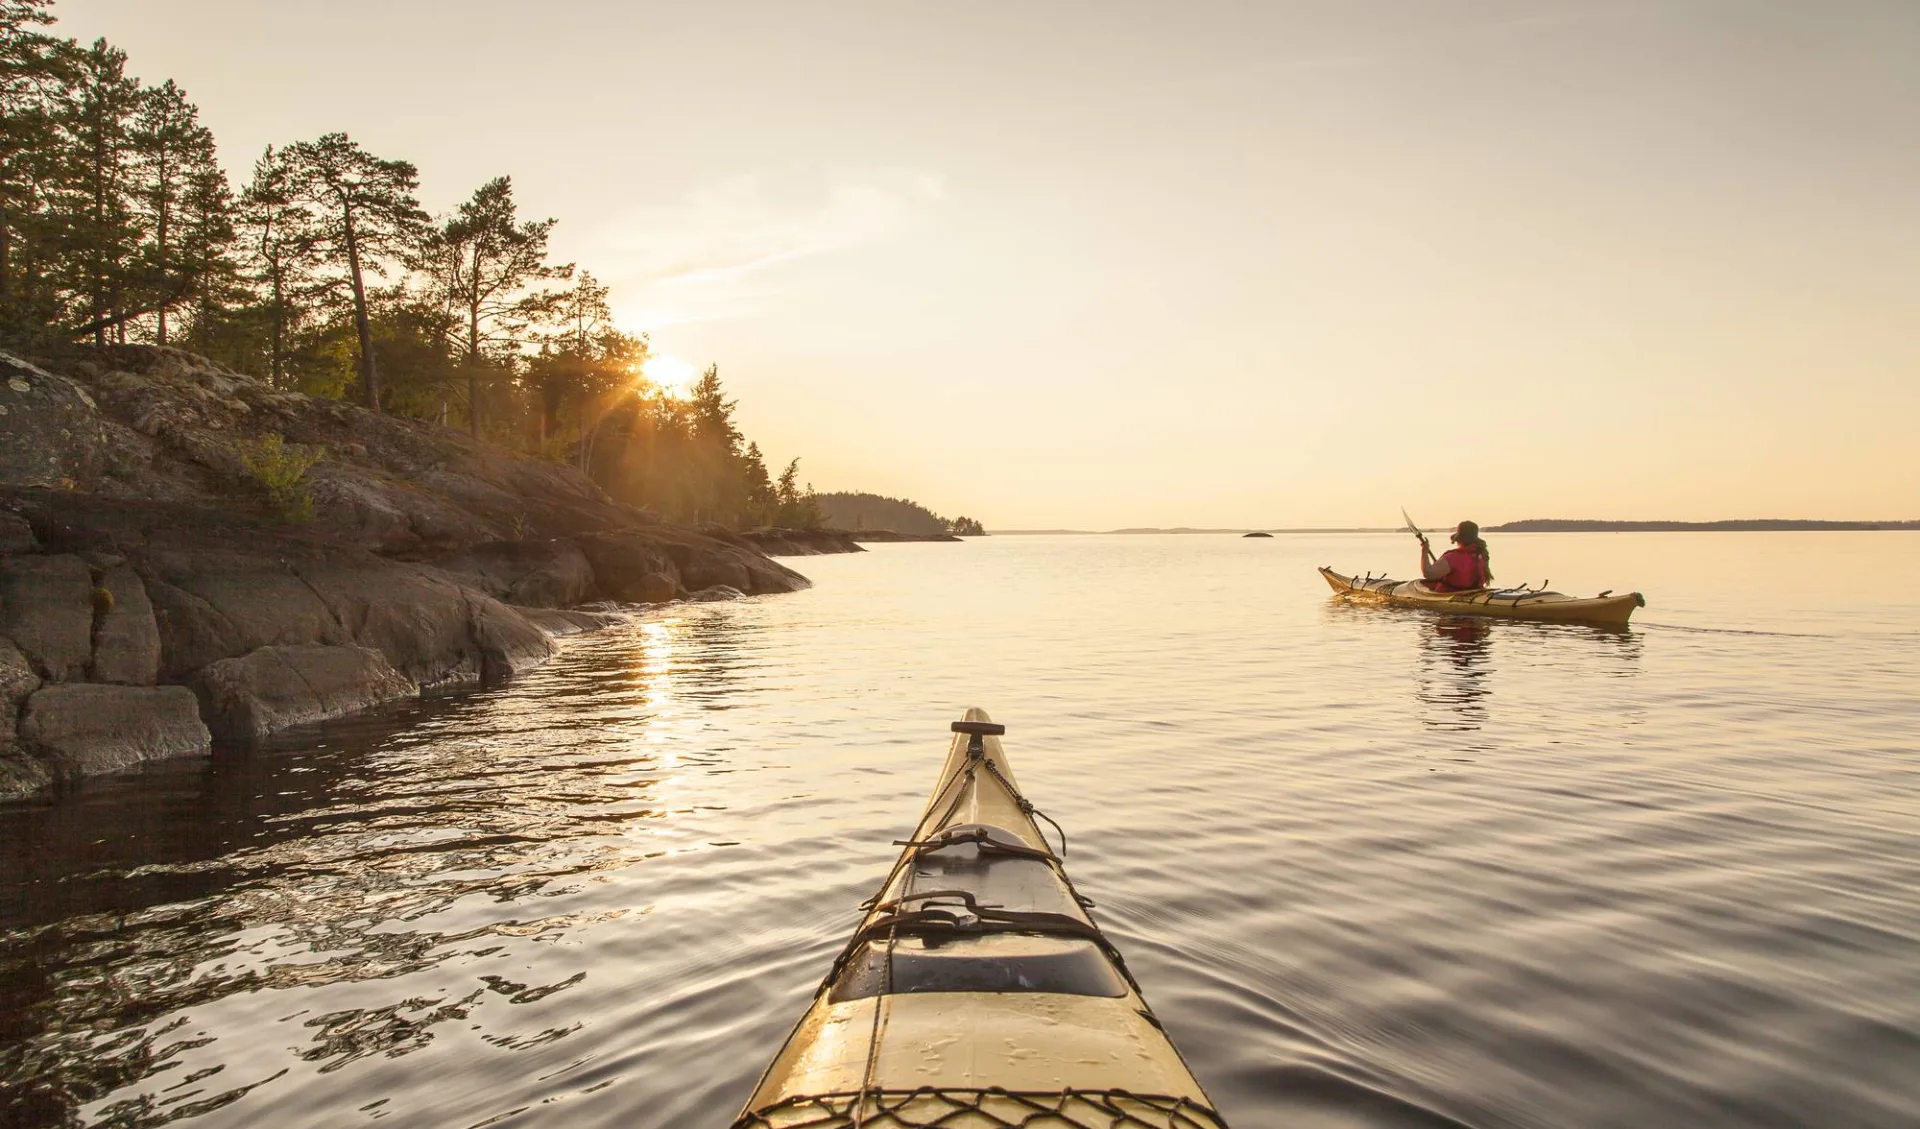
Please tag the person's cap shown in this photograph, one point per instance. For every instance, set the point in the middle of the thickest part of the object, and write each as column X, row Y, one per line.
column 1466, row 531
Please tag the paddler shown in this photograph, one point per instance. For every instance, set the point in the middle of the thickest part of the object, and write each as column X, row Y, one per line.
column 1459, row 569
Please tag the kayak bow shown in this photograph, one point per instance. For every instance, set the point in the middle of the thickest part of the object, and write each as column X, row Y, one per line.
column 978, row 991
column 1505, row 603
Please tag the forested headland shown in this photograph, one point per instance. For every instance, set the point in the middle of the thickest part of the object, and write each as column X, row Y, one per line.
column 861, row 512
column 321, row 273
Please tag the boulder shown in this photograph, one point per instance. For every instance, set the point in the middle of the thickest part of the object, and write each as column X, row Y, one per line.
column 701, row 572
column 17, row 680
column 428, row 627
column 84, row 729
column 272, row 688
column 537, row 574
column 16, row 536
column 46, row 608
column 19, row 772
column 126, row 638
column 631, row 567
column 50, row 432
column 653, row 588
column 715, row 594
column 703, row 562
column 637, row 565
column 217, row 604
column 510, row 644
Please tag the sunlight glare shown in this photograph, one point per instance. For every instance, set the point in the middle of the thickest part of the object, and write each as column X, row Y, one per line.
column 671, row 375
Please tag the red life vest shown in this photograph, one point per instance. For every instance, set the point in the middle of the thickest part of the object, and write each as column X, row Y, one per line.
column 1464, row 570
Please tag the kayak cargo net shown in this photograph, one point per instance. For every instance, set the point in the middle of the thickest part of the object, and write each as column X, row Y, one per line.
column 994, row 1108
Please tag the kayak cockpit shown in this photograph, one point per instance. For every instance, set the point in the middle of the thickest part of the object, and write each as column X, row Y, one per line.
column 992, row 962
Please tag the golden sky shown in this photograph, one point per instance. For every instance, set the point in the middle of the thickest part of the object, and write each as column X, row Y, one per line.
column 1109, row 263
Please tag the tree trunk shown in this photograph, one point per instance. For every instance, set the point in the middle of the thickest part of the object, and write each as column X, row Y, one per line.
column 160, row 235
column 369, row 372
column 473, row 354
column 278, row 366
column 6, row 261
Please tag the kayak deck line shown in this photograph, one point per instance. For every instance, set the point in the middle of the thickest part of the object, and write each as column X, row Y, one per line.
column 1606, row 609
column 977, row 990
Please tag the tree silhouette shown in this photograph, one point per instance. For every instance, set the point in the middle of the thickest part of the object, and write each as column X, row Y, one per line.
column 489, row 259
column 366, row 213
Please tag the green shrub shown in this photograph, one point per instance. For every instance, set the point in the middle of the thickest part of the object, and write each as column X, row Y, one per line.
column 280, row 468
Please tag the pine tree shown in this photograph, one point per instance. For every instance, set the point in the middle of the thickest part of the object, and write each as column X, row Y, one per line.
column 490, row 259
column 208, row 233
column 759, row 487
column 716, row 449
column 32, row 73
column 173, row 152
column 367, row 215
column 282, row 239
column 583, row 361
column 104, row 235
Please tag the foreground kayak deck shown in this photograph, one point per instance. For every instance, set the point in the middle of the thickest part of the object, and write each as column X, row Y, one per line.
column 977, row 991
column 1506, row 603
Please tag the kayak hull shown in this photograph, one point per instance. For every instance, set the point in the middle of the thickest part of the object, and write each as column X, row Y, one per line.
column 1549, row 607
column 977, row 990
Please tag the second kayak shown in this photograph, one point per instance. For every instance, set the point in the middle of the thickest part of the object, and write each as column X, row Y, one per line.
column 978, row 991
column 1505, row 603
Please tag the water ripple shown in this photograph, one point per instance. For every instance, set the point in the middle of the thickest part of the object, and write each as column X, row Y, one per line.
column 1373, row 868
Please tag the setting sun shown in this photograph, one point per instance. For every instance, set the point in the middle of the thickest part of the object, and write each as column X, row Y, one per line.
column 671, row 375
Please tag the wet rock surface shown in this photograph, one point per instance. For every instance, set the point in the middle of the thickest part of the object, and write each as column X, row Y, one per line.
column 561, row 622
column 81, row 729
column 275, row 687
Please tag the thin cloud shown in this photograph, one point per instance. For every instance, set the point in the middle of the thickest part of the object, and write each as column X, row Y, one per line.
column 718, row 250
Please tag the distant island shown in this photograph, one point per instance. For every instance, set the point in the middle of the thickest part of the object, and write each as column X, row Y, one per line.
column 1752, row 525
column 862, row 514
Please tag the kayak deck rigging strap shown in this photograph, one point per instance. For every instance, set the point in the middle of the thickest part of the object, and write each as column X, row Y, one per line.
column 932, row 1106
column 978, row 919
column 1026, row 805
column 981, row 836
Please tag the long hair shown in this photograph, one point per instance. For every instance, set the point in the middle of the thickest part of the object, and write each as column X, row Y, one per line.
column 1473, row 544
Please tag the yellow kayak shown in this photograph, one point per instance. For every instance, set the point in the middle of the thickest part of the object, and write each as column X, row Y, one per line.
column 1508, row 603
column 977, row 991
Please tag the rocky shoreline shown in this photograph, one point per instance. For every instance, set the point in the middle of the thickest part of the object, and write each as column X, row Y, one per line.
column 813, row 542
column 153, row 599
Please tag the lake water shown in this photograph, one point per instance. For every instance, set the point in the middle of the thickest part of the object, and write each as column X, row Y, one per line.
column 1371, row 867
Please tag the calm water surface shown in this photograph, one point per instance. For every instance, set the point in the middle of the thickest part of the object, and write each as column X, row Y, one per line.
column 1373, row 868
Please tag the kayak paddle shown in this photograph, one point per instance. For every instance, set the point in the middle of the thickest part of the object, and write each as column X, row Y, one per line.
column 1414, row 529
